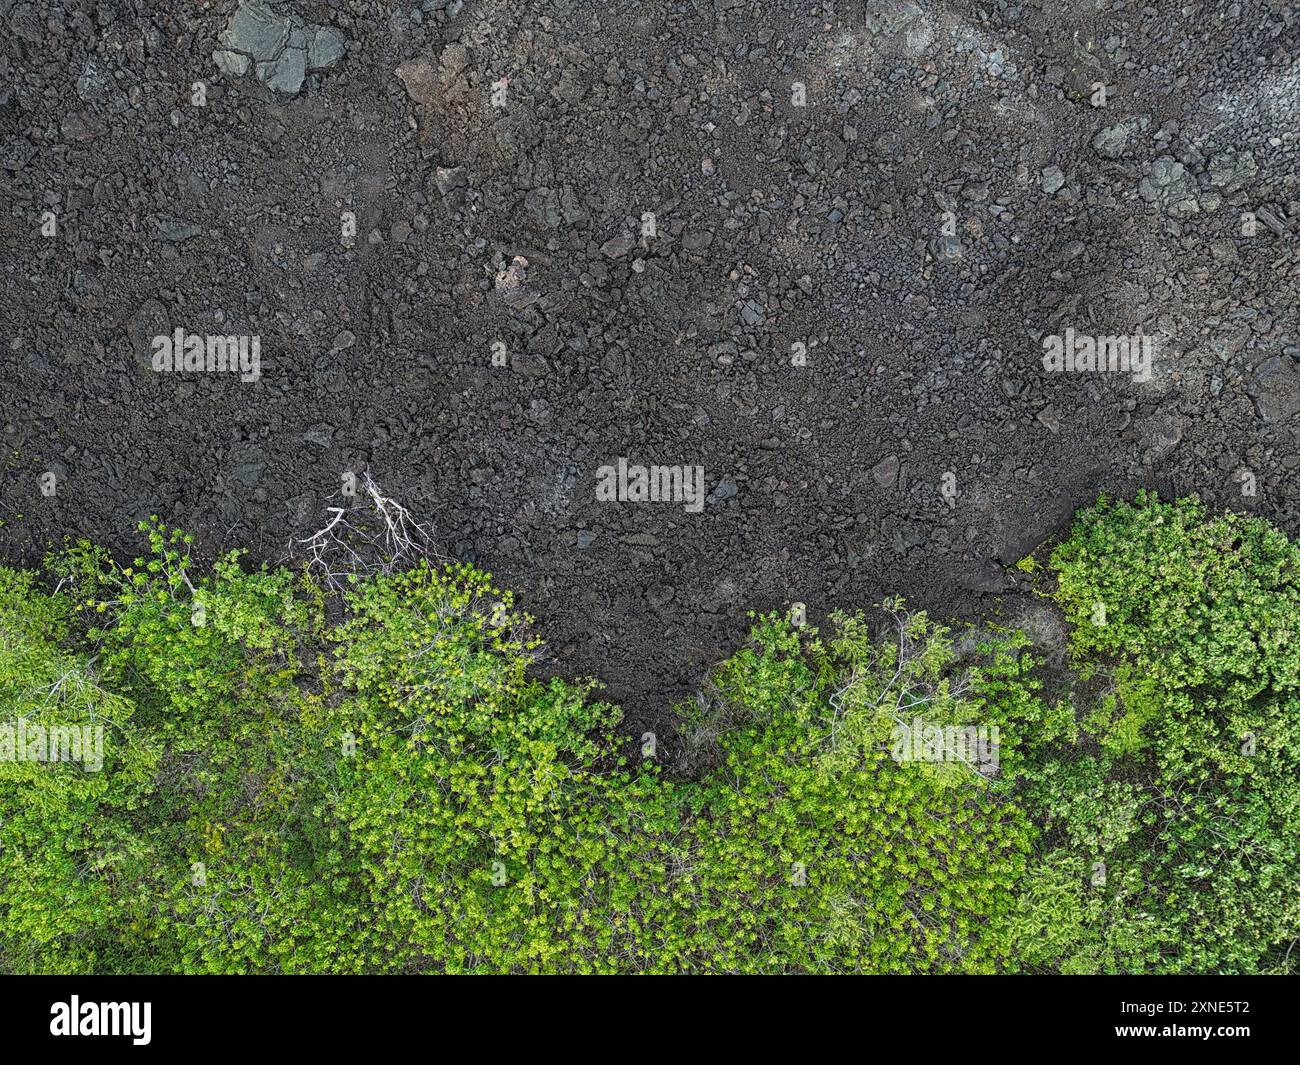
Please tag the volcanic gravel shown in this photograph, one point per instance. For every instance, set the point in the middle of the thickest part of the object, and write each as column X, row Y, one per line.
column 490, row 247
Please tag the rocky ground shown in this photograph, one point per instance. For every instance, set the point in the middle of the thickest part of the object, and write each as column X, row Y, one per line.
column 488, row 247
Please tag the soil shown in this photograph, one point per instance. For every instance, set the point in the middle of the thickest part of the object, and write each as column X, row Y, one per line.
column 866, row 219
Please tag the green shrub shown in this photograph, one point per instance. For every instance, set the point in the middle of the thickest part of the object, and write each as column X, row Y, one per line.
column 1185, row 814
column 814, row 850
column 66, row 844
column 487, row 822
column 378, row 782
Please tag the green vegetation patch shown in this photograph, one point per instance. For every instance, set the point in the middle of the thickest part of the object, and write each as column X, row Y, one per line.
column 271, row 777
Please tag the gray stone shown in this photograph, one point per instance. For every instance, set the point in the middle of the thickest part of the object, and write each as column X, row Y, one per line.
column 617, row 247
column 175, row 230
column 231, row 62
column 281, row 48
column 1113, row 141
column 947, row 246
column 1276, row 224
column 420, row 80
column 92, row 84
column 725, row 490
column 1229, row 172
column 1020, row 530
column 448, row 178
column 286, row 73
column 1169, row 187
column 321, row 435
column 326, row 48
column 255, row 30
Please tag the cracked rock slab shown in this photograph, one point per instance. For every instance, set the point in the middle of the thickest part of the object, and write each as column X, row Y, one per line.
column 256, row 30
column 1170, row 187
column 286, row 73
column 281, row 49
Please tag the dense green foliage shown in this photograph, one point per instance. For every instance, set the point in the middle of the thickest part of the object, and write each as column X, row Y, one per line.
column 294, row 783
column 1182, row 800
